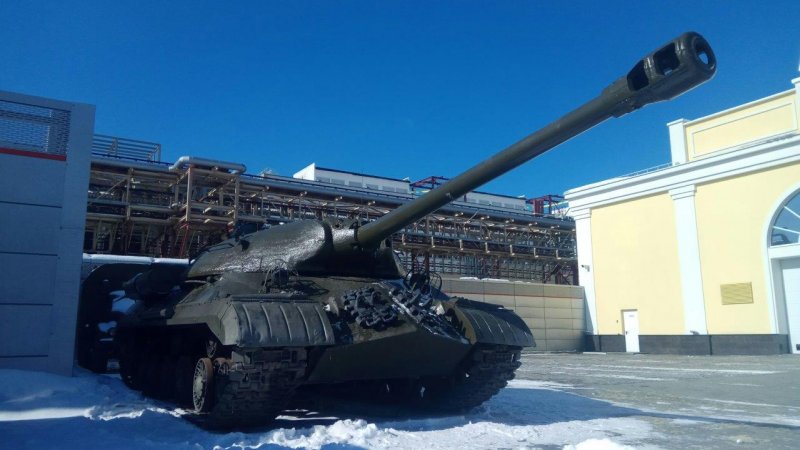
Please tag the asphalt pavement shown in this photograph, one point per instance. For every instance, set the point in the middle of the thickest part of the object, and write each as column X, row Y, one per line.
column 690, row 401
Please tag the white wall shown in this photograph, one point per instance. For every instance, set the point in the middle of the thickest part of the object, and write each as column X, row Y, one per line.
column 306, row 173
column 314, row 173
column 498, row 201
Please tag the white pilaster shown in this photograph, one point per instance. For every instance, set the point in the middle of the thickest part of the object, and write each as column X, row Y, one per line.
column 583, row 237
column 694, row 309
column 677, row 141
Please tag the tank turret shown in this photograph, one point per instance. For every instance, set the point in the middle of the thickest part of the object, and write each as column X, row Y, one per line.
column 324, row 303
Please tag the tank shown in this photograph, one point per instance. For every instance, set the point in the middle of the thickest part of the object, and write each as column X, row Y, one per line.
column 314, row 303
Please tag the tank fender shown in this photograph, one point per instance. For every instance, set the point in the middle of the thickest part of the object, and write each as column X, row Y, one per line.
column 253, row 321
column 485, row 323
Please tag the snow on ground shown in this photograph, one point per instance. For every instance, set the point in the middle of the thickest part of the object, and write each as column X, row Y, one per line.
column 39, row 410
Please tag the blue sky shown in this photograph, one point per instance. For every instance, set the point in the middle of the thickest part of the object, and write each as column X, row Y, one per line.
column 400, row 89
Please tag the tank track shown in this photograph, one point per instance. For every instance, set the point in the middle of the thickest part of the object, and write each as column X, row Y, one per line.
column 253, row 394
column 250, row 386
column 482, row 376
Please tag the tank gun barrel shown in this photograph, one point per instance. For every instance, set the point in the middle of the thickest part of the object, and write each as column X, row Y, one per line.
column 682, row 64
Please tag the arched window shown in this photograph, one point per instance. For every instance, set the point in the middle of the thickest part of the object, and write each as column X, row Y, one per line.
column 786, row 227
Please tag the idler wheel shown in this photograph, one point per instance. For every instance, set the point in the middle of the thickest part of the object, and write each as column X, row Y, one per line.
column 203, row 385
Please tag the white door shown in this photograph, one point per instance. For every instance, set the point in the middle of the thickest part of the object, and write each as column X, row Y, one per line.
column 791, row 292
column 630, row 324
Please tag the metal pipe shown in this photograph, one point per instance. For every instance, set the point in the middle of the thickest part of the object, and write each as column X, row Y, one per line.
column 127, row 163
column 185, row 161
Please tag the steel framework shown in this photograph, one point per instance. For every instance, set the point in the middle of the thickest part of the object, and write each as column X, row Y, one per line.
column 140, row 206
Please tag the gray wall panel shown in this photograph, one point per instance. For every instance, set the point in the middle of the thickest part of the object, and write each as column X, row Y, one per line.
column 29, row 229
column 529, row 312
column 534, row 324
column 24, row 330
column 18, row 172
column 557, row 303
column 525, row 301
column 495, row 287
column 41, row 363
column 552, row 333
column 502, row 300
column 560, row 324
column 563, row 291
column 529, row 289
column 557, row 313
column 29, row 280
column 541, row 338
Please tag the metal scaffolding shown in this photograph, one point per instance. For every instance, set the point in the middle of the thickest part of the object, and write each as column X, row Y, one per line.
column 140, row 206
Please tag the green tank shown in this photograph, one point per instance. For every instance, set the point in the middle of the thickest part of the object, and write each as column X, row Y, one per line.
column 326, row 303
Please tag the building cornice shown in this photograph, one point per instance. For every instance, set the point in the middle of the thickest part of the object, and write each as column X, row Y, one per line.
column 579, row 214
column 683, row 192
column 776, row 151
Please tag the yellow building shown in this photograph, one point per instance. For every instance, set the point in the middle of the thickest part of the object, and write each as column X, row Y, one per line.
column 700, row 257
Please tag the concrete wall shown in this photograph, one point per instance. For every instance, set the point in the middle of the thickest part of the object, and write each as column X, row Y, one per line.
column 555, row 313
column 44, row 170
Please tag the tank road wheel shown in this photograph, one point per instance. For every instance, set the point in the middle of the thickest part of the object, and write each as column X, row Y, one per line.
column 203, row 385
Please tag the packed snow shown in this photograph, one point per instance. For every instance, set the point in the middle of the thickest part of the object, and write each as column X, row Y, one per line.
column 39, row 410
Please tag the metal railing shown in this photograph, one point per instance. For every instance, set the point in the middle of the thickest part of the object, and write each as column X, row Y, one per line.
column 104, row 145
column 648, row 170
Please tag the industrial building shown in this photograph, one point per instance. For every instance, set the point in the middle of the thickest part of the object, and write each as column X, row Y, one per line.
column 700, row 256
column 139, row 205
